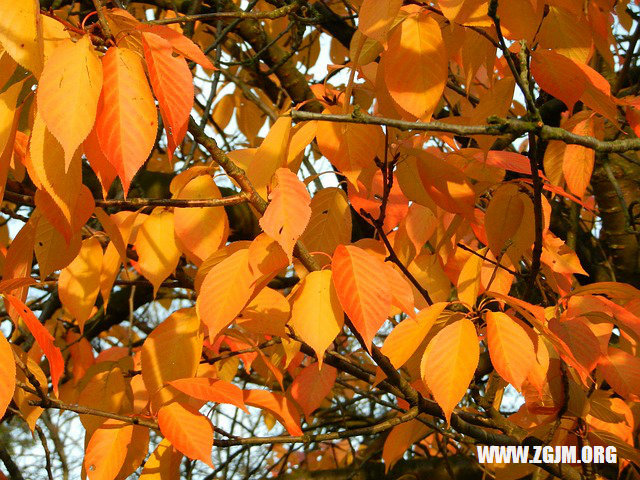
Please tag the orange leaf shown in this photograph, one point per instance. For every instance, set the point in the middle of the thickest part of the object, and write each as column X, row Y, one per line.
column 163, row 463
column 180, row 44
column 7, row 374
column 580, row 339
column 172, row 85
column 158, row 254
column 416, row 49
column 73, row 73
column 43, row 338
column 225, row 291
column 376, row 17
column 363, row 289
column 312, row 385
column 288, row 212
column 105, row 172
column 79, row 282
column 400, row 439
column 107, row 450
column 449, row 362
column 211, row 390
column 316, row 315
column 171, row 351
column 277, row 404
column 406, row 337
column 127, row 122
column 330, row 222
column 200, row 231
column 622, row 372
column 510, row 347
column 188, row 431
column 349, row 147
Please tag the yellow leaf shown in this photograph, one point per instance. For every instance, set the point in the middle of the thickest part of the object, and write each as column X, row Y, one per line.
column 469, row 280
column 270, row 156
column 416, row 48
column 7, row 374
column 188, row 431
column 22, row 398
column 225, row 291
column 316, row 315
column 510, row 347
column 107, row 450
column 200, row 231
column 52, row 251
column 79, row 282
column 407, row 336
column 562, row 32
column 288, row 212
column 449, row 362
column 103, row 388
column 376, row 17
column 266, row 314
column 48, row 166
column 8, row 103
column 111, row 262
column 158, row 254
column 330, row 222
column 73, row 73
column 163, row 463
column 171, row 351
column 21, row 32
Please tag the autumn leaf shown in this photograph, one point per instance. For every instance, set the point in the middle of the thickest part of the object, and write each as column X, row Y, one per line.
column 210, row 390
column 170, row 352
column 415, row 47
column 449, row 362
column 43, row 338
column 188, row 430
column 400, row 439
column 172, row 85
column 107, row 450
column 376, row 17
column 406, row 337
column 200, row 231
column 74, row 72
column 7, row 374
column 21, row 33
column 362, row 288
column 158, row 254
column 330, row 222
column 79, row 282
column 163, row 463
column 126, row 122
column 217, row 303
column 316, row 315
column 278, row 405
column 510, row 346
column 288, row 212
column 312, row 385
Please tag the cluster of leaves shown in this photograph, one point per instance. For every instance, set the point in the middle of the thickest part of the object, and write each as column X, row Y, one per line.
column 425, row 269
